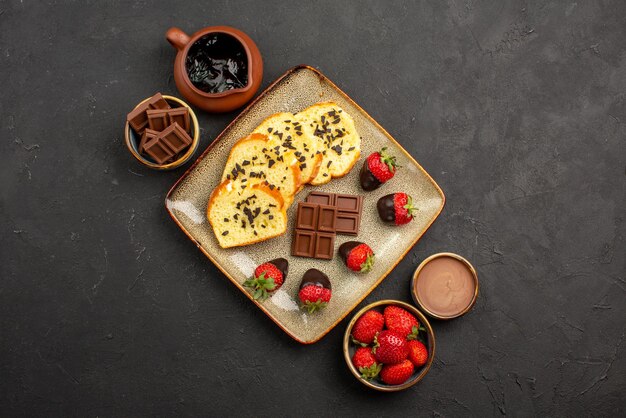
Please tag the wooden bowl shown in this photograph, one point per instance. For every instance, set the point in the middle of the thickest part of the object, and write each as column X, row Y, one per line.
column 349, row 347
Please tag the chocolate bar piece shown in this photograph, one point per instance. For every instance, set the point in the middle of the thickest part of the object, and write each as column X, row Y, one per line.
column 349, row 203
column 307, row 216
column 158, row 119
column 175, row 138
column 180, row 115
column 315, row 231
column 327, row 219
column 348, row 213
column 148, row 134
column 321, row 198
column 320, row 218
column 158, row 150
column 324, row 246
column 303, row 244
column 158, row 102
column 138, row 119
column 348, row 223
column 165, row 145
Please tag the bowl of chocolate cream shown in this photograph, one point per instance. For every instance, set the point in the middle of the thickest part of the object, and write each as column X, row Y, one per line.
column 445, row 286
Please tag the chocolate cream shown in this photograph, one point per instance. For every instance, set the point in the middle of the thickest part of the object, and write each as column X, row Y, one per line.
column 445, row 286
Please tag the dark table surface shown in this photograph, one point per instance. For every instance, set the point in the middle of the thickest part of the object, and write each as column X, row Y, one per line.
column 516, row 108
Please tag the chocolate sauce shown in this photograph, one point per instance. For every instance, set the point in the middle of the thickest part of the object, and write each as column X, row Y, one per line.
column 316, row 278
column 282, row 265
column 446, row 287
column 368, row 181
column 217, row 62
column 346, row 247
column 386, row 209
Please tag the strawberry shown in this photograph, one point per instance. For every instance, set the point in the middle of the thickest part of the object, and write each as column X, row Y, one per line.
column 401, row 321
column 357, row 256
column 396, row 208
column 367, row 326
column 396, row 374
column 390, row 347
column 378, row 168
column 364, row 361
column 315, row 290
column 418, row 353
column 268, row 277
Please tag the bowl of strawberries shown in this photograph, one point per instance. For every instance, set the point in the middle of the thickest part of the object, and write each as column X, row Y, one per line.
column 389, row 345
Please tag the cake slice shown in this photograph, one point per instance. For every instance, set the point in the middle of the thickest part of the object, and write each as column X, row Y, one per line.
column 243, row 214
column 252, row 158
column 337, row 138
column 283, row 129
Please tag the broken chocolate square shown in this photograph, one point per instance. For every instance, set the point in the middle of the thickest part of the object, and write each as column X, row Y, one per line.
column 180, row 115
column 148, row 134
column 158, row 150
column 157, row 119
column 175, row 138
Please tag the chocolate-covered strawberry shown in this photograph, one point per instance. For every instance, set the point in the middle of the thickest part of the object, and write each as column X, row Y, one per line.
column 378, row 168
column 268, row 277
column 396, row 208
column 358, row 256
column 315, row 290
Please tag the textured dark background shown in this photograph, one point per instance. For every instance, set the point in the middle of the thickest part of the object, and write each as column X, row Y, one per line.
column 516, row 108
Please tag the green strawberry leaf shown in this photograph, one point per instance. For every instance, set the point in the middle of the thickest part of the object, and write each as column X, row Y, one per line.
column 376, row 344
column 414, row 333
column 357, row 342
column 388, row 159
column 411, row 210
column 261, row 286
column 371, row 371
column 314, row 306
column 368, row 264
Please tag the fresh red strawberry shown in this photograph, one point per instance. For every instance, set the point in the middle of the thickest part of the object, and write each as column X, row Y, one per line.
column 367, row 326
column 268, row 277
column 396, row 208
column 401, row 321
column 390, row 347
column 357, row 256
column 396, row 374
column 364, row 361
column 378, row 168
column 418, row 353
column 315, row 290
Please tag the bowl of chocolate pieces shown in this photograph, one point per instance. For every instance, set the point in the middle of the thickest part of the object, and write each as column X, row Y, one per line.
column 162, row 132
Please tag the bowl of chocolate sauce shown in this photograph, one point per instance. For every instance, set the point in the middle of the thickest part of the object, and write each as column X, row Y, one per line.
column 218, row 68
column 445, row 286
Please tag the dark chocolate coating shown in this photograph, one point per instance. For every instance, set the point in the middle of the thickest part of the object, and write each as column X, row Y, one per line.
column 282, row 265
column 316, row 278
column 346, row 247
column 368, row 181
column 386, row 209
